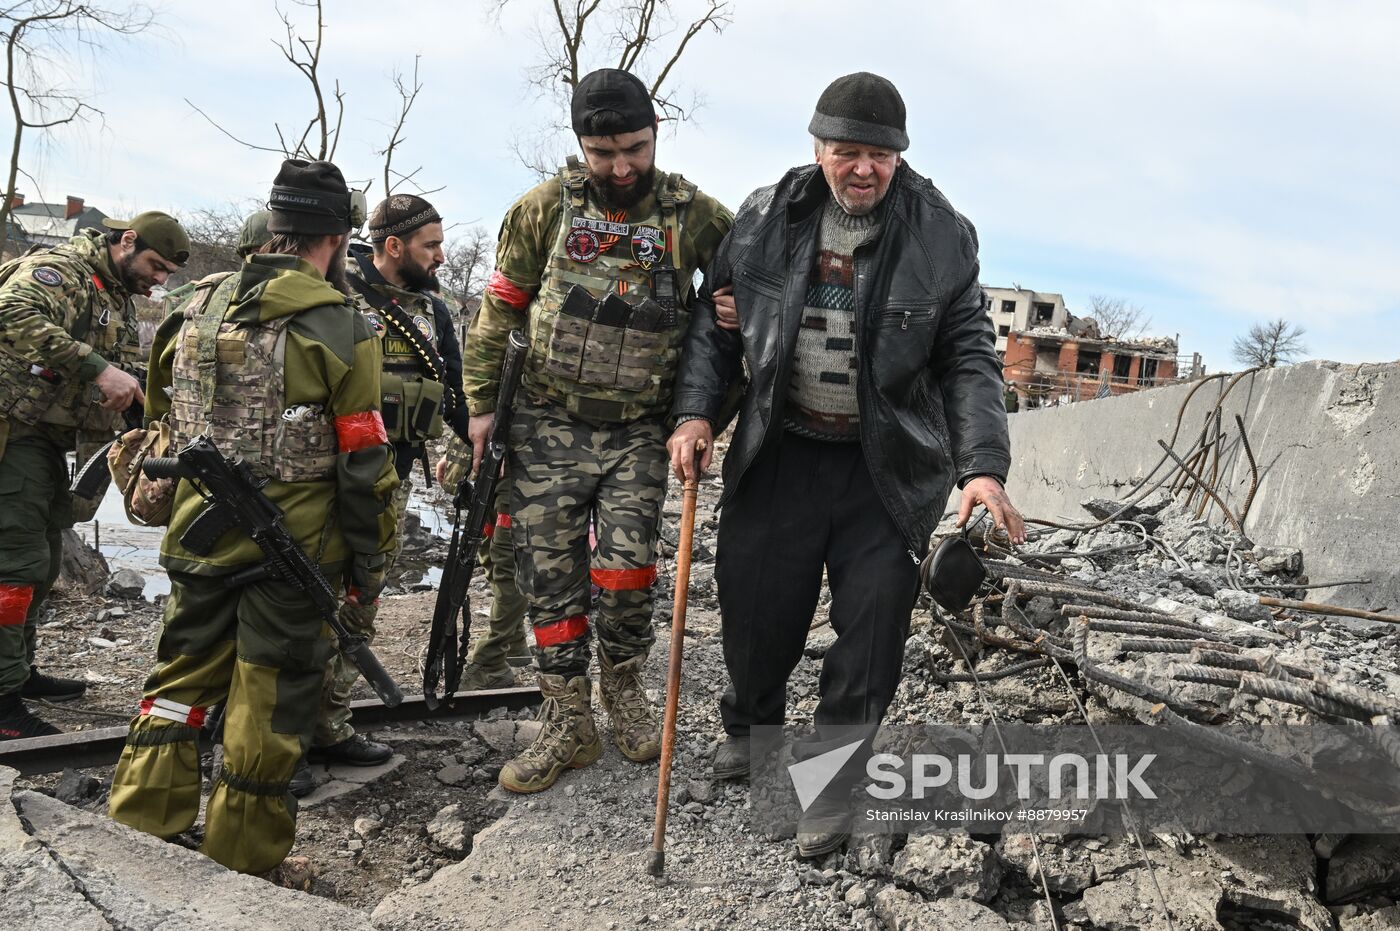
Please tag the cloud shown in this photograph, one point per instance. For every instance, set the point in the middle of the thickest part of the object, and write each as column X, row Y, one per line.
column 1218, row 161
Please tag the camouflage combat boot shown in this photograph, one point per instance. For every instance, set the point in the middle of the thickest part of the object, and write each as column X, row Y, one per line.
column 633, row 720
column 567, row 739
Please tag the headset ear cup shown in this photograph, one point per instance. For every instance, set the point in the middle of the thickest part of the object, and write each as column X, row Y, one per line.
column 359, row 208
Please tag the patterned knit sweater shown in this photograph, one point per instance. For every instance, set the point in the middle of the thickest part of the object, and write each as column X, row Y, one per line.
column 821, row 399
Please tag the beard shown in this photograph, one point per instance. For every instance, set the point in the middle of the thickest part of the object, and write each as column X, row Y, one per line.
column 134, row 283
column 335, row 272
column 418, row 277
column 621, row 198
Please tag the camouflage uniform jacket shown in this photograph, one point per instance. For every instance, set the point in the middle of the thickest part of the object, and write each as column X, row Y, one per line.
column 64, row 315
column 330, row 371
column 404, row 367
column 556, row 237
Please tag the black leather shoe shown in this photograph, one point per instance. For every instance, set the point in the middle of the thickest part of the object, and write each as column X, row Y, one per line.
column 732, row 759
column 303, row 783
column 824, row 827
column 53, row 688
column 356, row 751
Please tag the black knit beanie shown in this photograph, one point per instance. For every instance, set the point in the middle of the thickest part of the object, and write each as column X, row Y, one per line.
column 399, row 215
column 310, row 199
column 863, row 108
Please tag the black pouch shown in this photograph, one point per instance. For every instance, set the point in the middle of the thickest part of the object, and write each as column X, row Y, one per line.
column 647, row 317
column 579, row 303
column 952, row 573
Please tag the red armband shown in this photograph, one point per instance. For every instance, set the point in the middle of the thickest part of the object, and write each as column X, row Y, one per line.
column 360, row 431
column 623, row 580
column 506, row 291
column 14, row 603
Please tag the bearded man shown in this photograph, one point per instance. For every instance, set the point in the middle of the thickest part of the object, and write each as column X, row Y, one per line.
column 67, row 328
column 596, row 264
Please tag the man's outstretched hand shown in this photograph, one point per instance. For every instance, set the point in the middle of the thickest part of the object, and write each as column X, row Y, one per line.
column 987, row 491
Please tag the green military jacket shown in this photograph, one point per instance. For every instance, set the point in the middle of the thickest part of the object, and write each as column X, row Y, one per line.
column 65, row 315
column 557, row 239
column 330, row 370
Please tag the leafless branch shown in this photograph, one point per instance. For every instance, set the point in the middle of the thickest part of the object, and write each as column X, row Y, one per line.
column 575, row 36
column 408, row 94
column 1117, row 318
column 41, row 37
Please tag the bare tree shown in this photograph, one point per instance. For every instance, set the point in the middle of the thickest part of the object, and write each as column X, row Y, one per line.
column 214, row 234
column 1270, row 343
column 321, row 136
column 408, row 91
column 1117, row 318
column 645, row 37
column 42, row 37
column 469, row 259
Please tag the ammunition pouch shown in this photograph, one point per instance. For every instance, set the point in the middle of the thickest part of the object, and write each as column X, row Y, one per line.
column 608, row 343
column 147, row 501
column 411, row 408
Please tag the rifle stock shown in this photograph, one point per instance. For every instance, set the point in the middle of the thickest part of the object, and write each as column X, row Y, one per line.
column 231, row 488
column 446, row 651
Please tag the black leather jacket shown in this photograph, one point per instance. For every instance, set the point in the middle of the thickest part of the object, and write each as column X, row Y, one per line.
column 929, row 381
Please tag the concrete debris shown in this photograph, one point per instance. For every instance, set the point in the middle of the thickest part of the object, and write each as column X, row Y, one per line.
column 902, row 911
column 1242, row 606
column 448, row 831
column 1363, row 867
column 70, row 869
column 1066, row 865
column 83, row 569
column 126, row 583
column 1385, row 919
column 940, row 865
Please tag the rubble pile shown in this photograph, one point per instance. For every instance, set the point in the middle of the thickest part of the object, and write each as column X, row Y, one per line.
column 1150, row 615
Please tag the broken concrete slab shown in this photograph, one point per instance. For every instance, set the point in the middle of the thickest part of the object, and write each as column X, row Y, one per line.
column 342, row 779
column 949, row 864
column 37, row 892
column 1366, row 864
column 123, row 878
column 1385, row 919
column 904, row 911
column 1065, row 865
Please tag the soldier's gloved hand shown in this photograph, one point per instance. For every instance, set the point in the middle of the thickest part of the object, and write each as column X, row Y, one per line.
column 366, row 578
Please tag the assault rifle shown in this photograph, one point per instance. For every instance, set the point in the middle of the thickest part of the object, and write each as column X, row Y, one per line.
column 446, row 651
column 92, row 476
column 236, row 499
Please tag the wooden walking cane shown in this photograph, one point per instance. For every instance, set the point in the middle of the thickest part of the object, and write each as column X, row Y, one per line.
column 656, row 857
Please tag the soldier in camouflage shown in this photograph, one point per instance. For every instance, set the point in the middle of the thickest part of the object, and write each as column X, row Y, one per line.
column 588, row 439
column 393, row 284
column 67, row 327
column 284, row 374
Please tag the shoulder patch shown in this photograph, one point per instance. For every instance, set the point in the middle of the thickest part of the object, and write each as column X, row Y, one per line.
column 45, row 275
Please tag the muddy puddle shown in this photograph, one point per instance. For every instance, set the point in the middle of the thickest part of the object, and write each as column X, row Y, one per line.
column 127, row 546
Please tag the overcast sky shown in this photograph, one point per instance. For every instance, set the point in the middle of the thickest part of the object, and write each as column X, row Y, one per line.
column 1217, row 162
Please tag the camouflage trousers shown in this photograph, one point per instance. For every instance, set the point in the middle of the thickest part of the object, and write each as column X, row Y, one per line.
column 566, row 472
column 333, row 718
column 35, row 508
column 259, row 649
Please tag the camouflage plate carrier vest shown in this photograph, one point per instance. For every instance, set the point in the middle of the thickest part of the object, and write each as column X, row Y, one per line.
column 228, row 384
column 410, row 402
column 31, row 393
column 597, row 371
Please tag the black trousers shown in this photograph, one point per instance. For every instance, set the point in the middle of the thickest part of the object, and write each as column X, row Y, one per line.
column 804, row 505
